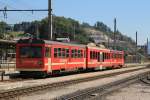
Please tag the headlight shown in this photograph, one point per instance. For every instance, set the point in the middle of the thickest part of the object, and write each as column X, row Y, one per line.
column 39, row 63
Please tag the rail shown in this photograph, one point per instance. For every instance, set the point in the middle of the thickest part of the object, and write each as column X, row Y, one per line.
column 96, row 93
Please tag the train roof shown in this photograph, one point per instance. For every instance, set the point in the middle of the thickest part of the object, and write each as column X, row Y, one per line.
column 105, row 49
column 40, row 41
column 98, row 48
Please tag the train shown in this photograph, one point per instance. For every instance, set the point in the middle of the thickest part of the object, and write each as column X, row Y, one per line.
column 43, row 57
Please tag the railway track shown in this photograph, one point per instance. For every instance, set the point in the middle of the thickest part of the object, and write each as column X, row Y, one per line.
column 17, row 78
column 5, row 95
column 97, row 93
column 146, row 80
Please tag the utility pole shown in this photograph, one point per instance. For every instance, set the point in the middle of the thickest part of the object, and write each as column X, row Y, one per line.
column 37, row 30
column 74, row 31
column 147, row 42
column 50, row 32
column 136, row 60
column 108, row 43
column 115, row 26
column 147, row 46
column 136, row 39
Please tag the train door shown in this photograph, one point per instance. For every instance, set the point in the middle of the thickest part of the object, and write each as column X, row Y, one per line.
column 48, row 59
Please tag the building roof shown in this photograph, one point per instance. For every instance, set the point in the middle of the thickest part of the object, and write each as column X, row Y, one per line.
column 7, row 41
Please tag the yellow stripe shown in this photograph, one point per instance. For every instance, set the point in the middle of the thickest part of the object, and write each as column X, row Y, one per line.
column 24, row 69
column 57, row 63
column 76, row 63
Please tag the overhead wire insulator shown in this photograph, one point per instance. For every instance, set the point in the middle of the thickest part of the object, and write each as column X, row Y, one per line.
column 32, row 12
column 5, row 12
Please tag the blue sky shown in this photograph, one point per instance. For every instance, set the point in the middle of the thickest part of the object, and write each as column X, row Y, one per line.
column 132, row 15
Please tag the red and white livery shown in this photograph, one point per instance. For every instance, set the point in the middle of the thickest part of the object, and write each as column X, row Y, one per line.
column 43, row 57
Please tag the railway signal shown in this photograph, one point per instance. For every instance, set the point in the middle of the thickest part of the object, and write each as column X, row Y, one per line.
column 115, row 24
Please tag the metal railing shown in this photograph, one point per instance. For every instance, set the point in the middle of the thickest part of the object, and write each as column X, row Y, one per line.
column 7, row 65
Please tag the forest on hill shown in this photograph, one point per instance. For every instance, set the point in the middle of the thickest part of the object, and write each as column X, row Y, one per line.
column 62, row 27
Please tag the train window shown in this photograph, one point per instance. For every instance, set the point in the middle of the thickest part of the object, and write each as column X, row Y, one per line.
column 94, row 55
column 59, row 53
column 84, row 54
column 98, row 56
column 120, row 56
column 90, row 54
column 103, row 57
column 31, row 52
column 73, row 53
column 106, row 56
column 76, row 54
column 117, row 55
column 55, row 52
column 67, row 53
column 81, row 53
column 114, row 56
column 47, row 52
column 63, row 53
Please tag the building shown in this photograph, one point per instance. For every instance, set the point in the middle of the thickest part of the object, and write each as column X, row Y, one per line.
column 148, row 48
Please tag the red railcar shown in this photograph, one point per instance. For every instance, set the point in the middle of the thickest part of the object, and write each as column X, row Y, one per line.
column 43, row 57
column 98, row 58
column 94, row 58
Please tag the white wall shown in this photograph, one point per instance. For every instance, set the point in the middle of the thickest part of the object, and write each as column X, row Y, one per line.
column 148, row 51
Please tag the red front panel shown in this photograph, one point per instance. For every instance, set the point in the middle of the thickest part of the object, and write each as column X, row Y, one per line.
column 29, row 57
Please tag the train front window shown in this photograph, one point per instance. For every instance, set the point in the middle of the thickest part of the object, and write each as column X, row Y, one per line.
column 31, row 52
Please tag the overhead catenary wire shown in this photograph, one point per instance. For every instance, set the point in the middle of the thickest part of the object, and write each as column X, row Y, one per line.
column 24, row 10
column 21, row 11
column 22, row 4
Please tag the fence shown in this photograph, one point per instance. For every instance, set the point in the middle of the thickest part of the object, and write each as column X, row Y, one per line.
column 7, row 64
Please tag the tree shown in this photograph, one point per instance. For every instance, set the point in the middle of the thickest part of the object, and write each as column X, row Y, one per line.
column 3, row 29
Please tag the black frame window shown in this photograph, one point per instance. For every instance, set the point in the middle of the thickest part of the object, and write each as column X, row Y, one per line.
column 47, row 52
